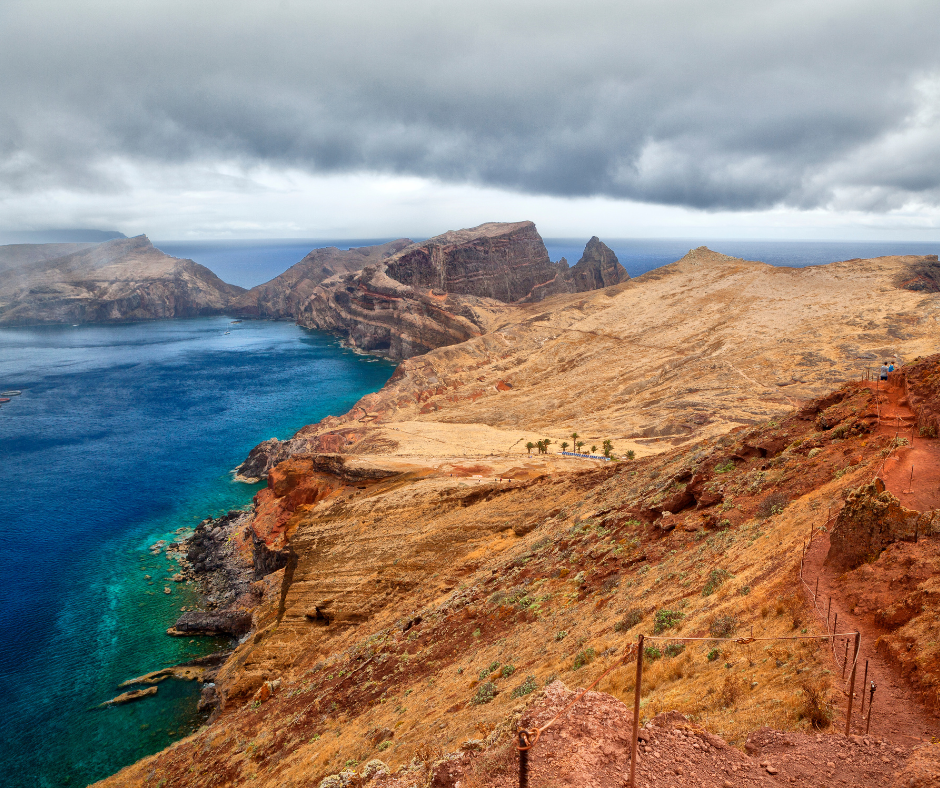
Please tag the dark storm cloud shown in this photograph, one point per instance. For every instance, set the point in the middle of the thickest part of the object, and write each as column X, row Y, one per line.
column 737, row 105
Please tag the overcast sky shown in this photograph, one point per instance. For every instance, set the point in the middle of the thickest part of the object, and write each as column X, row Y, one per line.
column 361, row 118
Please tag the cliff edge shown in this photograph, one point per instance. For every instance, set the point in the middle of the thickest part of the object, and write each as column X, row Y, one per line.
column 122, row 280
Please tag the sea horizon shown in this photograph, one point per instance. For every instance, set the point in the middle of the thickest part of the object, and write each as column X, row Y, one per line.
column 253, row 261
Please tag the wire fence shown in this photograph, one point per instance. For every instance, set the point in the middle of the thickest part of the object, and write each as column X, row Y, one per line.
column 526, row 739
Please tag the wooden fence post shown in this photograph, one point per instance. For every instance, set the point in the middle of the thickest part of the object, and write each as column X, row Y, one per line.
column 848, row 717
column 636, row 710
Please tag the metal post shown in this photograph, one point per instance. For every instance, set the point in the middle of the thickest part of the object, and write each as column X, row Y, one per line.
column 636, row 710
column 845, row 658
column 848, row 717
column 864, row 684
column 816, row 592
column 523, row 760
column 871, row 700
column 828, row 609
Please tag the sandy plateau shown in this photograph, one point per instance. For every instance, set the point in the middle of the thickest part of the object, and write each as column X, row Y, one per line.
column 425, row 585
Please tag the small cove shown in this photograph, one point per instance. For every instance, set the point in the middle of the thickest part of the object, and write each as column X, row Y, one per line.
column 123, row 435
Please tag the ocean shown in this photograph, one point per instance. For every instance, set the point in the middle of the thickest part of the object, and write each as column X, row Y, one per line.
column 251, row 262
column 122, row 435
column 125, row 434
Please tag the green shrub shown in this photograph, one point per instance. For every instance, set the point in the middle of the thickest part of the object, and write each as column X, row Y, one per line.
column 485, row 693
column 651, row 653
column 666, row 619
column 673, row 649
column 561, row 634
column 713, row 655
column 486, row 671
column 631, row 454
column 507, row 671
column 715, row 578
column 582, row 658
column 726, row 466
column 528, row 686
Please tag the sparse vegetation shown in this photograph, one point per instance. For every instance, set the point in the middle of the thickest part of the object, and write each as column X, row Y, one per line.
column 527, row 687
column 666, row 619
column 772, row 504
column 715, row 578
column 725, row 467
column 485, row 693
column 582, row 658
column 630, row 619
column 723, row 626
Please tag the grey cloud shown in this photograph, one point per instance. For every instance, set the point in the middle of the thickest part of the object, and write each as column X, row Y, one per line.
column 713, row 105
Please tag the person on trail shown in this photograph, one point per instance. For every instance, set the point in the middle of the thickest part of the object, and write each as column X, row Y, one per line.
column 884, row 371
column 891, row 367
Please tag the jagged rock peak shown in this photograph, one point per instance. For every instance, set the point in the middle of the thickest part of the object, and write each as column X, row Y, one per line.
column 597, row 268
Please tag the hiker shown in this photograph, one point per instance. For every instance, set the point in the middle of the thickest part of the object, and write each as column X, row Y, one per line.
column 891, row 367
column 884, row 371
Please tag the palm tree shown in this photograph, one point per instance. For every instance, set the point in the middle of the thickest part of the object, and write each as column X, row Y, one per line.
column 574, row 438
column 564, row 445
column 530, row 446
column 580, row 444
column 631, row 454
column 593, row 449
column 545, row 444
column 608, row 447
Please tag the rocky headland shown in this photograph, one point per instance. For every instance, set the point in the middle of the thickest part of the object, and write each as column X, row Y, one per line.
column 417, row 578
column 402, row 299
column 284, row 296
column 122, row 280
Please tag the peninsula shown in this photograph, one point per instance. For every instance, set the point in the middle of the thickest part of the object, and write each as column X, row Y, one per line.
column 415, row 581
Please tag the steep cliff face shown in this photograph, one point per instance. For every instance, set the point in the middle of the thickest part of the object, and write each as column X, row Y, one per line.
column 121, row 280
column 376, row 313
column 598, row 268
column 495, row 260
column 284, row 296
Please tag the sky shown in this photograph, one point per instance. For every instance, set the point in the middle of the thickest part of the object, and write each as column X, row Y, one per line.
column 372, row 118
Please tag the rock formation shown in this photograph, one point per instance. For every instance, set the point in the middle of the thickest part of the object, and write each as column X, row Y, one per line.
column 284, row 296
column 598, row 268
column 432, row 294
column 121, row 280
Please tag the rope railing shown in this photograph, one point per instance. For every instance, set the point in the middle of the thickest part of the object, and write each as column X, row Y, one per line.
column 527, row 738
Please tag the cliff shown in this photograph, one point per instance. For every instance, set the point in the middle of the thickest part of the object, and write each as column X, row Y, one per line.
column 284, row 296
column 121, row 280
column 431, row 294
column 598, row 268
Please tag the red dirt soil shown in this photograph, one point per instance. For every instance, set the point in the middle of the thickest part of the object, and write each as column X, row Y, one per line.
column 898, row 714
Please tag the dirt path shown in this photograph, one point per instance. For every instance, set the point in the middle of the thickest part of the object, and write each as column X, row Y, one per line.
column 897, row 714
column 911, row 473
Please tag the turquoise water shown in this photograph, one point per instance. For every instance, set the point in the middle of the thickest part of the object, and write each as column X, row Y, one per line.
column 122, row 435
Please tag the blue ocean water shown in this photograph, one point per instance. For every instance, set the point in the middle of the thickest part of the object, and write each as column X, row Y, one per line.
column 639, row 255
column 122, row 435
column 249, row 263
